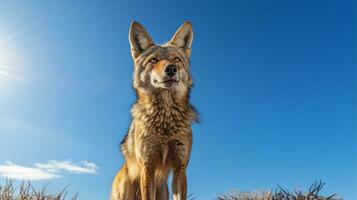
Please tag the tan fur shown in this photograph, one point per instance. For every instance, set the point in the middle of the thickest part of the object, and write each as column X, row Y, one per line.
column 159, row 139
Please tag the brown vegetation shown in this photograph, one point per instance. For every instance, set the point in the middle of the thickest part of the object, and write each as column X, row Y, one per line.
column 281, row 194
column 27, row 192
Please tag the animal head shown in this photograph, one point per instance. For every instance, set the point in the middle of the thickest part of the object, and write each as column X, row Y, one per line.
column 161, row 67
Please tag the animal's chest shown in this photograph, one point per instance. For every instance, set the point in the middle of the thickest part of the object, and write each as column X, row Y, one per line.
column 163, row 133
column 165, row 122
column 165, row 127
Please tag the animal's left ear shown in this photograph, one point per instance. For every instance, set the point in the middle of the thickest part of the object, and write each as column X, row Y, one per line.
column 183, row 38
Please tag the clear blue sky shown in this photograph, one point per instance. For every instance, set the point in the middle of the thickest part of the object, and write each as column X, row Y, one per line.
column 274, row 84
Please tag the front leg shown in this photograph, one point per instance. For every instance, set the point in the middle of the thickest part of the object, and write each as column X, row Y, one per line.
column 147, row 148
column 180, row 149
column 179, row 183
column 147, row 183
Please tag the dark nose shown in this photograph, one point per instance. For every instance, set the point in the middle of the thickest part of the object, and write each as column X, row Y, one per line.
column 170, row 70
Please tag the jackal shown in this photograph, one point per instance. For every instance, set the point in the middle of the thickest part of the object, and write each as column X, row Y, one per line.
column 159, row 139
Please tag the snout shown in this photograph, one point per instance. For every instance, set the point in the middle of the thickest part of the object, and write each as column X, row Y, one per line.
column 165, row 76
column 170, row 70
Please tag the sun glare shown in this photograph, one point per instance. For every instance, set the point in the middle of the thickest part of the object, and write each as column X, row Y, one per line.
column 9, row 58
column 12, row 64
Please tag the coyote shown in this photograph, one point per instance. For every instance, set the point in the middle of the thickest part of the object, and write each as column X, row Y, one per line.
column 159, row 138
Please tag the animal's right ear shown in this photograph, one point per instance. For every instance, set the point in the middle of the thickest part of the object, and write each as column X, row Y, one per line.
column 139, row 39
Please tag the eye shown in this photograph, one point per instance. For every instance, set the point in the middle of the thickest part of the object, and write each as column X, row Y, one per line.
column 177, row 59
column 154, row 60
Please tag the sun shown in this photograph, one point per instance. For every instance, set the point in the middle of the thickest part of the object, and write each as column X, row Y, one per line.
column 9, row 58
column 12, row 64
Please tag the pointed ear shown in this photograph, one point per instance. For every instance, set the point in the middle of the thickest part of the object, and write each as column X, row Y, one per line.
column 139, row 39
column 183, row 38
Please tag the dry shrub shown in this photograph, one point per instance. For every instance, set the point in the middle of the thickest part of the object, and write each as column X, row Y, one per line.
column 281, row 194
column 27, row 192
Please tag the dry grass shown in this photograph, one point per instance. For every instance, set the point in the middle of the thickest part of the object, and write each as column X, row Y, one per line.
column 281, row 194
column 27, row 192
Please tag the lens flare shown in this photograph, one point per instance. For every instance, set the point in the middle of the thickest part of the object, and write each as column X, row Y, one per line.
column 12, row 64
